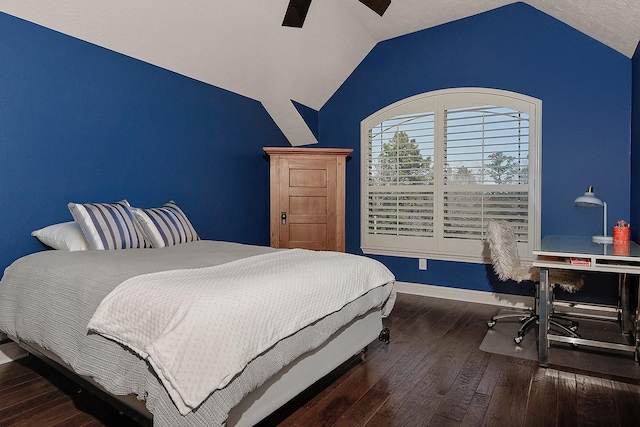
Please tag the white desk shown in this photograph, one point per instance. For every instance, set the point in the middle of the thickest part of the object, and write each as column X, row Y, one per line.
column 553, row 253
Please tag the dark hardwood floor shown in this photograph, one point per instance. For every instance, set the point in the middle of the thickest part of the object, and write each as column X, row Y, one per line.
column 432, row 373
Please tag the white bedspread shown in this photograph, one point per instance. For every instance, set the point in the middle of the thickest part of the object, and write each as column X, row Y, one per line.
column 198, row 328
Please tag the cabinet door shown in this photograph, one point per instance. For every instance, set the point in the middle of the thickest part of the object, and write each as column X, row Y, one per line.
column 307, row 189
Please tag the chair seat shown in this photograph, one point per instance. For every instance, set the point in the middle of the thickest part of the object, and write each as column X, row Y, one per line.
column 570, row 281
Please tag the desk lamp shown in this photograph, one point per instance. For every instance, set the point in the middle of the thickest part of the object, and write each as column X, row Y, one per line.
column 590, row 201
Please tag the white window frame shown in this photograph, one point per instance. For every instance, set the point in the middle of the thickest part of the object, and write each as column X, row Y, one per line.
column 436, row 247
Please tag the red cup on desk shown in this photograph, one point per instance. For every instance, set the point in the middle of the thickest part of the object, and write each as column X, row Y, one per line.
column 621, row 234
column 621, row 248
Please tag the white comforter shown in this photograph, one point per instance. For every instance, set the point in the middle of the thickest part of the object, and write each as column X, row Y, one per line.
column 198, row 328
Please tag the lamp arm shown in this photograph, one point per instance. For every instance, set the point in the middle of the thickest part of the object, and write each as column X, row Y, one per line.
column 604, row 221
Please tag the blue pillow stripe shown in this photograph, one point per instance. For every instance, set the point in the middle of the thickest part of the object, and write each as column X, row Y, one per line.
column 170, row 226
column 114, row 220
column 166, row 225
column 103, row 224
column 190, row 234
column 136, row 238
column 108, row 225
column 177, row 229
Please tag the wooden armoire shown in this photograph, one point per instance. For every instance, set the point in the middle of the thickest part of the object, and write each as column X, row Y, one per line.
column 307, row 191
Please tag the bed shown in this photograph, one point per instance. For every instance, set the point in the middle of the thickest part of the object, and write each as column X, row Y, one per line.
column 56, row 305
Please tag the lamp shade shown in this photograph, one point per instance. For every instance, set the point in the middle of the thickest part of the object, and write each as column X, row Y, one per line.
column 588, row 199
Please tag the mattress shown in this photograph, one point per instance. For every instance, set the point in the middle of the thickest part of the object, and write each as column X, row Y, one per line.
column 49, row 297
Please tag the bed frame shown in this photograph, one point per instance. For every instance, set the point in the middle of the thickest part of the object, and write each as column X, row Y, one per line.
column 307, row 374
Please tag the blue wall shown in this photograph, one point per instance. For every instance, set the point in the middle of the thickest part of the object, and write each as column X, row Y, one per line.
column 82, row 123
column 585, row 88
column 635, row 147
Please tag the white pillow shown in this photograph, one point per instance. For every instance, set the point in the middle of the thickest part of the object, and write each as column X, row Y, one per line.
column 165, row 226
column 108, row 225
column 66, row 236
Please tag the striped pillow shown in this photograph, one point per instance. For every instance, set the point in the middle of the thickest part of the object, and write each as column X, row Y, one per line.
column 108, row 225
column 165, row 226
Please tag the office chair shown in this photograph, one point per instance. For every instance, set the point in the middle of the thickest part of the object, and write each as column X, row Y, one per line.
column 506, row 263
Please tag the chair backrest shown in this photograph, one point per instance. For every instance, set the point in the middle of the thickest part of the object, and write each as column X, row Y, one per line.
column 503, row 246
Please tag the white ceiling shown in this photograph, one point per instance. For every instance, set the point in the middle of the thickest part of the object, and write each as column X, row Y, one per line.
column 240, row 45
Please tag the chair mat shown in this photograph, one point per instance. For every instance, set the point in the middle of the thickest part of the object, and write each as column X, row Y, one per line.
column 499, row 340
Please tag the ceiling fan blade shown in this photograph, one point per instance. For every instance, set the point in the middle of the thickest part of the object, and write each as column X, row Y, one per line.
column 296, row 12
column 378, row 6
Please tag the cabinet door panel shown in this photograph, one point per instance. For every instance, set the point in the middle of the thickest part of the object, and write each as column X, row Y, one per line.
column 312, row 178
column 308, row 236
column 311, row 205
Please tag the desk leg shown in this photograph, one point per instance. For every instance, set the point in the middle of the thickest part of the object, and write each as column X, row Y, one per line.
column 543, row 312
column 636, row 327
column 623, row 303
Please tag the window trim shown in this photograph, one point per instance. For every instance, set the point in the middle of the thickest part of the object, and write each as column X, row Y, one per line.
column 441, row 99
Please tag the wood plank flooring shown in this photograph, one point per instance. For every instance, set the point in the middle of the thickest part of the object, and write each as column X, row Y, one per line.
column 432, row 373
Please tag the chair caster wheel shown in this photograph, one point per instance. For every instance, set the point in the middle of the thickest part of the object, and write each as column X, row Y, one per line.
column 518, row 340
column 491, row 323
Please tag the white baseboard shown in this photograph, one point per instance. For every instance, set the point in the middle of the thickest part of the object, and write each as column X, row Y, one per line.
column 594, row 311
column 11, row 351
column 492, row 298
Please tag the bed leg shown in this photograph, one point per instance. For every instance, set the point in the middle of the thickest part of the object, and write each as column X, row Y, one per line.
column 363, row 354
column 384, row 335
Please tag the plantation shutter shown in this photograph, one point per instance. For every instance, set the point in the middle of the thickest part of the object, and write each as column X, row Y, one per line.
column 437, row 167
column 485, row 170
column 400, row 196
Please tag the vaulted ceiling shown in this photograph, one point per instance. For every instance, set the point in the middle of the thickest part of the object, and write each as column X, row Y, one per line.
column 241, row 46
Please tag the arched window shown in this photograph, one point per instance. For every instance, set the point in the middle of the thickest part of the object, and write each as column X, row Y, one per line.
column 437, row 166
